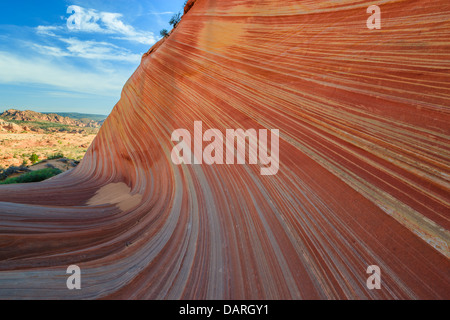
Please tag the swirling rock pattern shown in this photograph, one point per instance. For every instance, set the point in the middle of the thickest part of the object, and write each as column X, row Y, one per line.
column 364, row 174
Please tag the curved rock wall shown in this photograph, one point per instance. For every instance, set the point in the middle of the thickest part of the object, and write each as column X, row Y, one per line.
column 363, row 117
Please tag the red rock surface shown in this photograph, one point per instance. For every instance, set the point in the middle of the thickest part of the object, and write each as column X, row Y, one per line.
column 364, row 175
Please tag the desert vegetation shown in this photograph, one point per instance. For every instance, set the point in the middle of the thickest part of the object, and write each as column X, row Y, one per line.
column 31, row 141
column 174, row 21
column 33, row 176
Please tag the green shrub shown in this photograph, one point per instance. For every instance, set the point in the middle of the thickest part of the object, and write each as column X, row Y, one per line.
column 34, row 158
column 175, row 20
column 164, row 33
column 33, row 176
column 55, row 156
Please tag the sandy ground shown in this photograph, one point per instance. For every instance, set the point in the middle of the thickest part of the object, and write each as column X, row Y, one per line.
column 62, row 164
column 17, row 147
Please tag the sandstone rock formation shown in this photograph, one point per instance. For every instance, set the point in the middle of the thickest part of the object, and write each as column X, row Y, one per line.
column 33, row 116
column 8, row 126
column 364, row 174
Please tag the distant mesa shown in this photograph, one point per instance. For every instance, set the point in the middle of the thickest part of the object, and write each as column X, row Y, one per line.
column 74, row 119
column 13, row 120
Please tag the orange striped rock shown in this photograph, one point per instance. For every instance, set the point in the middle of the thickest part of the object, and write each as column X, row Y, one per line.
column 363, row 117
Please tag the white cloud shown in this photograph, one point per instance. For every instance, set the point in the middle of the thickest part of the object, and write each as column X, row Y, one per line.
column 88, row 50
column 51, row 51
column 161, row 13
column 84, row 49
column 102, row 24
column 99, row 51
column 47, row 30
column 63, row 94
column 55, row 62
column 93, row 21
column 17, row 69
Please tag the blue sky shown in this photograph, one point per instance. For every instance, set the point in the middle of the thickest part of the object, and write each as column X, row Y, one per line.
column 75, row 55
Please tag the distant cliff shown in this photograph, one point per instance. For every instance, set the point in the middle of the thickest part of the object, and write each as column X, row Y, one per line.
column 18, row 121
column 33, row 116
